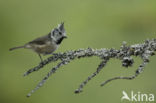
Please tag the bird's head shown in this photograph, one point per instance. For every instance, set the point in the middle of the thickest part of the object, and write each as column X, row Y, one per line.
column 59, row 33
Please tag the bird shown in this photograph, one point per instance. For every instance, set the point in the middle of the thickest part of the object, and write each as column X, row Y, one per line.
column 46, row 44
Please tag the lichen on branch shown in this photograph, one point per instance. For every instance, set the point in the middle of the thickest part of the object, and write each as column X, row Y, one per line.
column 125, row 54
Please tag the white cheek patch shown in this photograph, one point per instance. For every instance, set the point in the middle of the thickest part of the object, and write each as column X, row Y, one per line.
column 53, row 37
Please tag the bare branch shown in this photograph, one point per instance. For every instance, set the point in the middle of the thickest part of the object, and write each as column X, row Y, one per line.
column 125, row 54
column 138, row 71
column 102, row 64
column 53, row 70
column 42, row 64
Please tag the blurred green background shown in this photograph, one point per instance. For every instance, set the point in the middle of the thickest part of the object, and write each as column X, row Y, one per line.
column 89, row 23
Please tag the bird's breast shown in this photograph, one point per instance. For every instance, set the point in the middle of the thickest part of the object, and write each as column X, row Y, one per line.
column 47, row 48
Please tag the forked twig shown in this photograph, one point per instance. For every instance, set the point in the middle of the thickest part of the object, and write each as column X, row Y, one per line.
column 53, row 70
column 138, row 71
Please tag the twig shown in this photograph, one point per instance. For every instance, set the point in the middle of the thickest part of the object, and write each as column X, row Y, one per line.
column 53, row 70
column 138, row 71
column 102, row 64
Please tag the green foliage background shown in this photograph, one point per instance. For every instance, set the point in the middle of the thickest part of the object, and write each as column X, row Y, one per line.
column 89, row 23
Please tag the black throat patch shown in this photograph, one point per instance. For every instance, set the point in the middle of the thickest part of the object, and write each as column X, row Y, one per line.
column 59, row 41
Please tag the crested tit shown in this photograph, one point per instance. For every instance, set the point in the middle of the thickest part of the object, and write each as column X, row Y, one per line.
column 46, row 44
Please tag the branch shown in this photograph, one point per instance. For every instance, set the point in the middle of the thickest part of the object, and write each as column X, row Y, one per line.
column 53, row 70
column 125, row 53
column 102, row 64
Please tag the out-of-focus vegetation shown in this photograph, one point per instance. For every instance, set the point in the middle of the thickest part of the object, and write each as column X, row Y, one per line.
column 89, row 23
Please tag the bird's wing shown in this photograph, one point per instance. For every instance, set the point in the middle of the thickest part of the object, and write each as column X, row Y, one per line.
column 40, row 41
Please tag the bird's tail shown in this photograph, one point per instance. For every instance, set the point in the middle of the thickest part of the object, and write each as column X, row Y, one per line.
column 16, row 48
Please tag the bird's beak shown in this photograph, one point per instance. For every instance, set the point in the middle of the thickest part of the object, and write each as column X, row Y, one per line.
column 64, row 36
